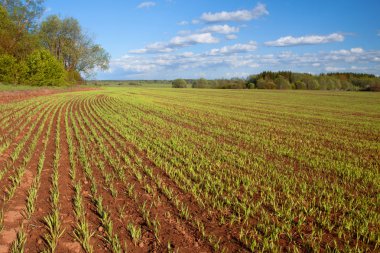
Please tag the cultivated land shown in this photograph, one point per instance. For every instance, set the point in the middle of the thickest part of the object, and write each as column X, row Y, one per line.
column 190, row 171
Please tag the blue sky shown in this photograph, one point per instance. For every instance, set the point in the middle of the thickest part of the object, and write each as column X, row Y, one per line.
column 167, row 39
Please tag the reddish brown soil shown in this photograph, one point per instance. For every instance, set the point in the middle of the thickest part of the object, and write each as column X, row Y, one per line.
column 98, row 135
column 13, row 96
column 227, row 235
column 180, row 233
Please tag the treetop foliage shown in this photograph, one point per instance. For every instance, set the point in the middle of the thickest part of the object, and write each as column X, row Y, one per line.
column 293, row 80
column 24, row 13
column 52, row 52
column 43, row 69
column 65, row 39
column 179, row 83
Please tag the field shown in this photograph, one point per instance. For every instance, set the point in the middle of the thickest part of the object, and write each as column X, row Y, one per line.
column 183, row 170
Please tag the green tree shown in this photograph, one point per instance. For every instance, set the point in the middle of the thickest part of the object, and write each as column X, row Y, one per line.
column 329, row 83
column 375, row 84
column 311, row 82
column 250, row 85
column 7, row 31
column 8, row 68
column 300, row 85
column 179, row 83
column 43, row 69
column 282, row 83
column 13, row 41
column 24, row 13
column 265, row 84
column 346, row 85
column 65, row 39
column 200, row 83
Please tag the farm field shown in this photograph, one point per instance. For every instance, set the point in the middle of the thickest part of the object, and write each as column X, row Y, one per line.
column 190, row 170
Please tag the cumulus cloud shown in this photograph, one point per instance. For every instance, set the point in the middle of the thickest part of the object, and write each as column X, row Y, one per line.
column 242, row 58
column 239, row 15
column 237, row 48
column 305, row 40
column 357, row 50
column 198, row 38
column 177, row 42
column 157, row 47
column 231, row 37
column 334, row 69
column 146, row 5
column 222, row 29
column 345, row 52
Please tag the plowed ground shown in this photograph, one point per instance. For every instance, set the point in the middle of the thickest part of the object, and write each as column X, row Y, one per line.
column 194, row 171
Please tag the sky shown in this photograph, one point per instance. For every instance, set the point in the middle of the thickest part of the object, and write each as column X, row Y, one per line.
column 168, row 39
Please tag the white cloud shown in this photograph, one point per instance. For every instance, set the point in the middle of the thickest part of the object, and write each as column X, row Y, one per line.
column 356, row 68
column 157, row 47
column 342, row 52
column 132, row 64
column 184, row 32
column 357, row 50
column 334, row 69
column 305, row 40
column 351, row 52
column 183, row 23
column 236, row 74
column 237, row 48
column 198, row 38
column 177, row 42
column 239, row 15
column 242, row 58
column 231, row 37
column 47, row 10
column 222, row 29
column 187, row 54
column 213, row 29
column 146, row 5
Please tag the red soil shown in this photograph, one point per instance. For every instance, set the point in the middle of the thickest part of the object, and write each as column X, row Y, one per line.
column 13, row 96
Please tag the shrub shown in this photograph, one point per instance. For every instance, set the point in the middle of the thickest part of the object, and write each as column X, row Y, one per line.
column 44, row 69
column 300, row 85
column 346, row 85
column 75, row 77
column 234, row 83
column 282, row 83
column 250, row 85
column 265, row 84
column 311, row 83
column 133, row 84
column 375, row 84
column 8, row 69
column 200, row 83
column 329, row 83
column 179, row 83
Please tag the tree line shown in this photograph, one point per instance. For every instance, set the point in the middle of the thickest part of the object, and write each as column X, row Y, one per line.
column 54, row 51
column 286, row 80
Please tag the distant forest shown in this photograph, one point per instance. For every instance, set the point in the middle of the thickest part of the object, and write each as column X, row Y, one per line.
column 50, row 52
column 286, row 80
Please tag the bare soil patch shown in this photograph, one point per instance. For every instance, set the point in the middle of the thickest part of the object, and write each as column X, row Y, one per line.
column 13, row 96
